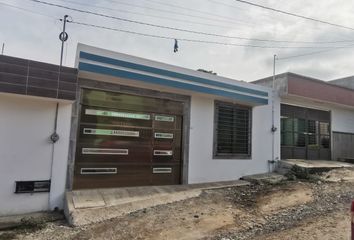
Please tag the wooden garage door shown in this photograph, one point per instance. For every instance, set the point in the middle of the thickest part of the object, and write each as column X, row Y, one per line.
column 127, row 140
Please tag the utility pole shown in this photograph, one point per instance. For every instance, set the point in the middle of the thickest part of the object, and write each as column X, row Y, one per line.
column 274, row 58
column 54, row 137
column 63, row 36
column 274, row 129
column 3, row 48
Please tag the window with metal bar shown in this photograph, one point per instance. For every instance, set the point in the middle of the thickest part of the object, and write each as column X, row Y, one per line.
column 232, row 134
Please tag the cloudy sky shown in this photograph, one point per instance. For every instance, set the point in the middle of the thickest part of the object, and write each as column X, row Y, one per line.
column 34, row 33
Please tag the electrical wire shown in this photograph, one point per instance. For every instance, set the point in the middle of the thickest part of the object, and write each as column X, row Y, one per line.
column 316, row 52
column 163, row 3
column 172, row 28
column 144, row 14
column 178, row 13
column 171, row 38
column 191, row 40
column 294, row 15
column 27, row 10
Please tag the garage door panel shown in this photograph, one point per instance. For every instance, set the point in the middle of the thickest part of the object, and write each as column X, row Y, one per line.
column 110, row 181
column 164, row 136
column 112, row 169
column 127, row 140
column 117, row 122
column 343, row 146
column 130, row 102
column 165, row 174
column 138, row 154
column 118, row 144
column 114, row 133
column 124, row 175
column 166, row 154
column 115, row 117
column 167, row 122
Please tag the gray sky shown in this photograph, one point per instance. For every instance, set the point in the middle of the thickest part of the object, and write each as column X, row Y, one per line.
column 35, row 37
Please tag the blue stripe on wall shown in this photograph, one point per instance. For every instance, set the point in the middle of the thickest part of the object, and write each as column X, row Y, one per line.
column 115, row 62
column 155, row 80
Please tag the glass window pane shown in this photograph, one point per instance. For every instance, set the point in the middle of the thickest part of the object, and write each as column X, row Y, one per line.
column 286, row 124
column 287, row 139
column 299, row 125
column 312, row 126
column 299, row 139
column 324, row 128
column 324, row 139
column 313, row 140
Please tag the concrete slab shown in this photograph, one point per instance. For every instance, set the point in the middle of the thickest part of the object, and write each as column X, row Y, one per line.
column 89, row 206
column 317, row 163
column 87, row 199
column 313, row 166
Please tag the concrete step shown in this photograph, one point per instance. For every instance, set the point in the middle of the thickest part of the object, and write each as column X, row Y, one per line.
column 90, row 206
column 312, row 166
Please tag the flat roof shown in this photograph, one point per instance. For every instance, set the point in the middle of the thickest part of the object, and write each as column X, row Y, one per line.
column 308, row 87
column 122, row 66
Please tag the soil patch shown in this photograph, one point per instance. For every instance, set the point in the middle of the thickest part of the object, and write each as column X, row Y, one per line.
column 339, row 175
column 286, row 197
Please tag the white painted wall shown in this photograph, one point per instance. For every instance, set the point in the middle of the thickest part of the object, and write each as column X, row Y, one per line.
column 26, row 152
column 202, row 166
column 60, row 160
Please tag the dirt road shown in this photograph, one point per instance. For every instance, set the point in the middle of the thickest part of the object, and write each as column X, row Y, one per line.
column 334, row 226
column 289, row 210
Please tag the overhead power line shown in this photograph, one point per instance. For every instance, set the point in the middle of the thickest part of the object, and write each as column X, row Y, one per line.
column 295, row 15
column 175, row 28
column 27, row 10
column 144, row 14
column 232, row 21
column 172, row 38
column 164, row 3
column 315, row 53
column 192, row 40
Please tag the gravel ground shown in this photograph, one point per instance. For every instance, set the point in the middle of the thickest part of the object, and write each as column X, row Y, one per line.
column 334, row 226
column 287, row 210
column 328, row 198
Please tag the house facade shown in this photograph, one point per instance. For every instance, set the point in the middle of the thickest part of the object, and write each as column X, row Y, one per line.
column 117, row 120
column 316, row 117
column 141, row 122
column 35, row 102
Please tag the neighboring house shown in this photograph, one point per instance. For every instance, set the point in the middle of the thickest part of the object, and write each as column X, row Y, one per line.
column 33, row 99
column 317, row 117
column 125, row 121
